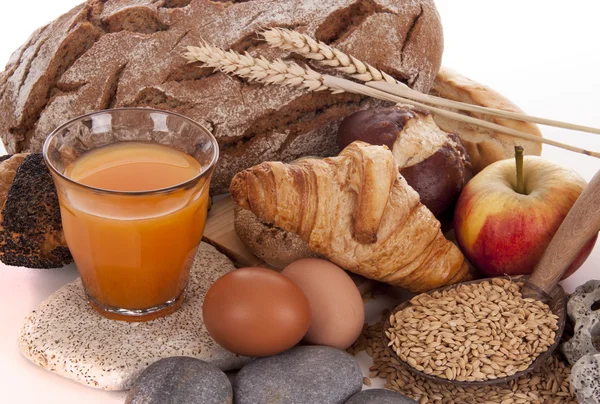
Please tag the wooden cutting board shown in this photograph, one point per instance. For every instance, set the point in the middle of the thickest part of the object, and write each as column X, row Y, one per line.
column 220, row 233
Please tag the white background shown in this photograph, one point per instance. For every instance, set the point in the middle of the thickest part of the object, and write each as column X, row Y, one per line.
column 543, row 55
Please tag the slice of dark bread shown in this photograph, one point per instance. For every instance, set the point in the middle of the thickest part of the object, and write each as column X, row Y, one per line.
column 30, row 225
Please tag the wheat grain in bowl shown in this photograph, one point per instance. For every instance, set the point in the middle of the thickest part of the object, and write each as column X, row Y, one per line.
column 547, row 384
column 473, row 332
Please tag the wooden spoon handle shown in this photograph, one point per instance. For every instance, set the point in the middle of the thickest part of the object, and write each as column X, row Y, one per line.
column 579, row 226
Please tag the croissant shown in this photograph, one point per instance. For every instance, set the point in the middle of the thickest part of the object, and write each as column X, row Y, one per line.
column 357, row 211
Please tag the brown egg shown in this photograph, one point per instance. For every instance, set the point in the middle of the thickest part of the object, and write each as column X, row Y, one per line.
column 337, row 310
column 256, row 312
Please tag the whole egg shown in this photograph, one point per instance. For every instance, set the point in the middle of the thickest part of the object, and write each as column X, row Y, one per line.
column 256, row 312
column 337, row 309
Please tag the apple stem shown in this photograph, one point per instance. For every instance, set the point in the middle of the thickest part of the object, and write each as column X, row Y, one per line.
column 519, row 162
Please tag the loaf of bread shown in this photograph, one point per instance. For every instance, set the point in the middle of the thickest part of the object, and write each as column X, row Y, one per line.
column 127, row 53
column 357, row 211
column 30, row 226
column 484, row 146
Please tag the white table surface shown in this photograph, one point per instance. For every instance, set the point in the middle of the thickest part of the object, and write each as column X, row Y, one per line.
column 544, row 55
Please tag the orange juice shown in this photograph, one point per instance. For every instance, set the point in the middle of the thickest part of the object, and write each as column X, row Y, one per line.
column 133, row 248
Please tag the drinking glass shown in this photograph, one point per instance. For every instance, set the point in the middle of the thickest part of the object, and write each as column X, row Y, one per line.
column 133, row 250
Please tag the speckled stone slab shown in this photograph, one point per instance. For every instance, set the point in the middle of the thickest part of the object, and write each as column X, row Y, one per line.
column 66, row 336
column 586, row 319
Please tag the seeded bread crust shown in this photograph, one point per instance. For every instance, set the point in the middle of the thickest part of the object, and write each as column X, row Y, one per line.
column 127, row 53
column 30, row 226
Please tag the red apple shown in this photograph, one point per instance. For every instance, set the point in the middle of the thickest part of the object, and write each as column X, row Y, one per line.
column 503, row 230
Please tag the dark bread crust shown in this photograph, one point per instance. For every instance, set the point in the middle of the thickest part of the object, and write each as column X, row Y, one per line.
column 119, row 53
column 273, row 245
column 31, row 228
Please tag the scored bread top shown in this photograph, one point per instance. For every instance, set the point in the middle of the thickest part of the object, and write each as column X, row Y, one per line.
column 127, row 53
column 484, row 146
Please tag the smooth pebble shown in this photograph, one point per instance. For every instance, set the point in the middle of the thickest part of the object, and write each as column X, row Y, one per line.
column 181, row 380
column 304, row 374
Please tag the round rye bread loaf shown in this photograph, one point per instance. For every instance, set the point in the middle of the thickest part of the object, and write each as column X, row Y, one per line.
column 128, row 53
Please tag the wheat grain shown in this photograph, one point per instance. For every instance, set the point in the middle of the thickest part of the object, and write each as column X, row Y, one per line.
column 291, row 74
column 324, row 54
column 548, row 384
column 257, row 69
column 432, row 333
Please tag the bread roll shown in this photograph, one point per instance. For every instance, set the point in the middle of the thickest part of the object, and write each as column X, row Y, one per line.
column 127, row 53
column 433, row 162
column 484, row 146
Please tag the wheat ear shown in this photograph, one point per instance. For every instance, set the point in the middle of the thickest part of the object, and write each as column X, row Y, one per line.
column 324, row 54
column 258, row 69
column 292, row 74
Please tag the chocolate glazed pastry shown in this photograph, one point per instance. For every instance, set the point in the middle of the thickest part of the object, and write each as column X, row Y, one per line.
column 432, row 161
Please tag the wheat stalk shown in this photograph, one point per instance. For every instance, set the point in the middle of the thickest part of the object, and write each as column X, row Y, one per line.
column 293, row 75
column 324, row 54
column 258, row 69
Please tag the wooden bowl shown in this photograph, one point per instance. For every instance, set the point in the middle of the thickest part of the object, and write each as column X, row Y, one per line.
column 557, row 302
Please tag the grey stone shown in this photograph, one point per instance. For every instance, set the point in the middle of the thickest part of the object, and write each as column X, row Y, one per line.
column 66, row 336
column 181, row 380
column 304, row 374
column 587, row 322
column 379, row 396
column 585, row 379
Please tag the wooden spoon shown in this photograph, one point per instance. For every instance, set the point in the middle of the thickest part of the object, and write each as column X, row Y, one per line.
column 579, row 226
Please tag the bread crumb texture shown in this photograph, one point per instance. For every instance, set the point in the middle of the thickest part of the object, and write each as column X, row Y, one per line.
column 127, row 53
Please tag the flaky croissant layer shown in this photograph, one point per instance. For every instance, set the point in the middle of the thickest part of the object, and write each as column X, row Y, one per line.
column 356, row 210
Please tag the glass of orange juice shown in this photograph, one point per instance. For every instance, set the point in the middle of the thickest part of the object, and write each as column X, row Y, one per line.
column 133, row 189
